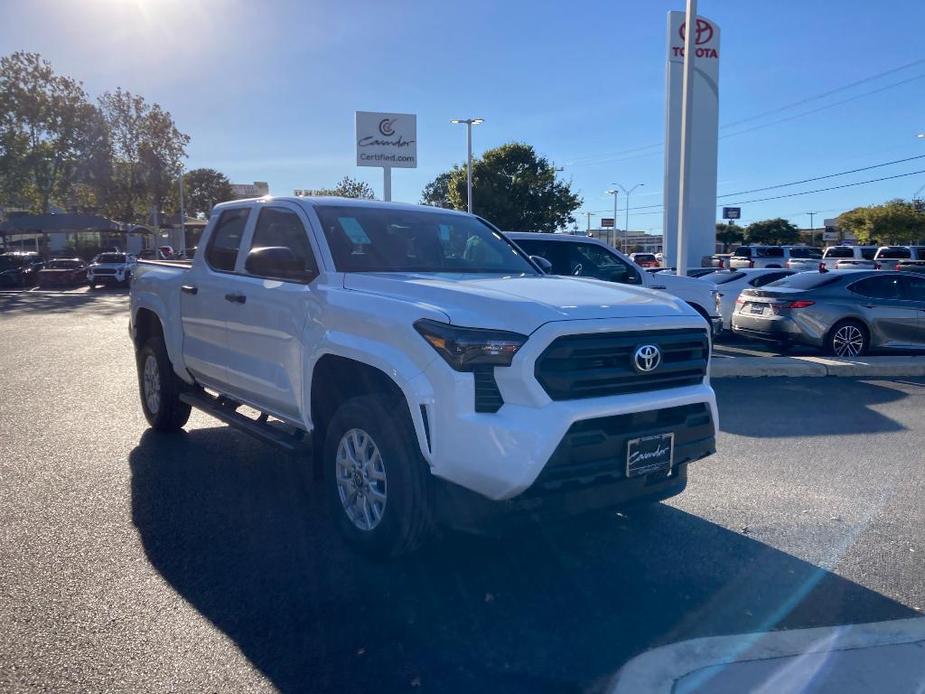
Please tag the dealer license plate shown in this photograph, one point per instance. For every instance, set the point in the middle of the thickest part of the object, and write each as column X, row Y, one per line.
column 649, row 454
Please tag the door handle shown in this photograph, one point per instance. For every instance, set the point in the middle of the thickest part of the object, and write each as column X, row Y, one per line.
column 189, row 289
column 235, row 298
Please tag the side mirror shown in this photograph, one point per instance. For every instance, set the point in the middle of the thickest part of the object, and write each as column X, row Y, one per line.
column 544, row 264
column 278, row 262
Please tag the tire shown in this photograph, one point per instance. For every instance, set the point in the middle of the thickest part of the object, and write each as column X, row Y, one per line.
column 392, row 513
column 848, row 338
column 163, row 409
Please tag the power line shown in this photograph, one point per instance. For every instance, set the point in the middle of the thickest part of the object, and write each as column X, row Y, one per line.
column 836, row 90
column 820, row 178
column 823, row 190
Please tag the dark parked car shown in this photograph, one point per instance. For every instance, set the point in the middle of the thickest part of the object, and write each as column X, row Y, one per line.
column 847, row 313
column 63, row 272
column 19, row 269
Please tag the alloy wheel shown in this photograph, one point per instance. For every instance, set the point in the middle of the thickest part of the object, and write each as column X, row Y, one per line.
column 152, row 384
column 361, row 479
column 848, row 341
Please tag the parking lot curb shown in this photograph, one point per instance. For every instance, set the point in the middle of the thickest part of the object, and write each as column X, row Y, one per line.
column 661, row 669
column 815, row 367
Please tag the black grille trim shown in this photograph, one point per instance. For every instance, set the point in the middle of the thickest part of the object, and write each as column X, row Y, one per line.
column 487, row 396
column 600, row 364
column 593, row 451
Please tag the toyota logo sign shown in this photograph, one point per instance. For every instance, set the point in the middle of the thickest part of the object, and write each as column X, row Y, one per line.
column 704, row 33
column 646, row 358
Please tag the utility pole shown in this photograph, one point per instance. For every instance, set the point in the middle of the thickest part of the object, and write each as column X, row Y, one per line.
column 589, row 222
column 812, row 228
column 614, row 192
column 687, row 89
column 182, row 239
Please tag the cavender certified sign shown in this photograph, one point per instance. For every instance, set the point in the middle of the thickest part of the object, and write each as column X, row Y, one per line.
column 387, row 140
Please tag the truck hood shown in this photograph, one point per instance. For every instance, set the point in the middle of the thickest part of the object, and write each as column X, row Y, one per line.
column 520, row 304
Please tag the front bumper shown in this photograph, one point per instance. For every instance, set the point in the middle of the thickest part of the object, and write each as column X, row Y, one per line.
column 501, row 455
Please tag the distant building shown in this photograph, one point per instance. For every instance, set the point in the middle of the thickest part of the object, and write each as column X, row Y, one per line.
column 257, row 189
column 631, row 241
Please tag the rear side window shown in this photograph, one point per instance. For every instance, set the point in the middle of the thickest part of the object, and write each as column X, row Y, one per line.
column 838, row 252
column 743, row 252
column 894, row 252
column 868, row 253
column 771, row 252
column 884, row 287
column 807, row 252
column 222, row 252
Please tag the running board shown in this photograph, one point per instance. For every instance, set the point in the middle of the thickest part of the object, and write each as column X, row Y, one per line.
column 225, row 409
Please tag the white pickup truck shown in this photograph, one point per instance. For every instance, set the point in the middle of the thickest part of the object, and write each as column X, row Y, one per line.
column 429, row 367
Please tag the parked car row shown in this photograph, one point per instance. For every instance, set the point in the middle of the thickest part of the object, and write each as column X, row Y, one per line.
column 29, row 269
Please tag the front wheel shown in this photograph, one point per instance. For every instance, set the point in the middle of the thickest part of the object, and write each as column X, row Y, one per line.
column 160, row 388
column 378, row 483
column 848, row 338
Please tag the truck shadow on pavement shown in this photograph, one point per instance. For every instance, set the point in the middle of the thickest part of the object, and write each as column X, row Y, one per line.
column 242, row 534
column 813, row 406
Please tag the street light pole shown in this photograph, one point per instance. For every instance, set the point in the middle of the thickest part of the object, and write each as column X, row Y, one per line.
column 182, row 218
column 626, row 194
column 469, row 122
column 615, row 193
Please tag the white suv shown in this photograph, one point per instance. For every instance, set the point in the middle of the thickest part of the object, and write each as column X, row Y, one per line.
column 841, row 257
column 757, row 256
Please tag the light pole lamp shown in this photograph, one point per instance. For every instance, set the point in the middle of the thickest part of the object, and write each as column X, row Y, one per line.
column 626, row 194
column 469, row 123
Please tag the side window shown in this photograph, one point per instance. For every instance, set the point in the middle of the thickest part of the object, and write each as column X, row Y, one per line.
column 888, row 287
column 281, row 242
column 589, row 260
column 743, row 252
column 554, row 251
column 868, row 253
column 222, row 252
column 915, row 288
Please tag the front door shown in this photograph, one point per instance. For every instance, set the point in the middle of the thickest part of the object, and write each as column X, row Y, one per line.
column 894, row 319
column 266, row 329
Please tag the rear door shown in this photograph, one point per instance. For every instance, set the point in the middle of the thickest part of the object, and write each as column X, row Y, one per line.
column 266, row 326
column 884, row 302
column 204, row 302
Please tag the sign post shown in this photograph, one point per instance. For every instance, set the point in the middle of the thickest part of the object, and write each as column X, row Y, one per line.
column 386, row 140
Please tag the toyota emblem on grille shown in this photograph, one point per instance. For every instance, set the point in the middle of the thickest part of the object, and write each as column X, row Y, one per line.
column 646, row 358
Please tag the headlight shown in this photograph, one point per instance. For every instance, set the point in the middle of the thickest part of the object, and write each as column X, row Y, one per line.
column 465, row 348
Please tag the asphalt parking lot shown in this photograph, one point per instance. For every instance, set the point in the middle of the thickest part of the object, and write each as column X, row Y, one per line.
column 132, row 561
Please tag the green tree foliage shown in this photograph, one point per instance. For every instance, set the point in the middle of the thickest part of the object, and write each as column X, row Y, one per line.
column 347, row 188
column 437, row 192
column 203, row 189
column 896, row 221
column 774, row 231
column 728, row 234
column 49, row 133
column 512, row 187
column 147, row 150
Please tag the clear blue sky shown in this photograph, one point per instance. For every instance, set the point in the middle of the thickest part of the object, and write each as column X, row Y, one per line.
column 267, row 90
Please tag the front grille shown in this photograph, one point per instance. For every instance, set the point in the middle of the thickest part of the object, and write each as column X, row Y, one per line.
column 487, row 396
column 598, row 364
column 593, row 451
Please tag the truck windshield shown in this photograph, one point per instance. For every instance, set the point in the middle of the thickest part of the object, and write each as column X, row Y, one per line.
column 369, row 239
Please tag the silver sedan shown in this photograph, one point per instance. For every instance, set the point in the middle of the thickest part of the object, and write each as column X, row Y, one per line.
column 846, row 313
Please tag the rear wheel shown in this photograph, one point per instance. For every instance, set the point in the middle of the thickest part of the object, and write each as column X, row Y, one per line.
column 160, row 388
column 378, row 483
column 848, row 338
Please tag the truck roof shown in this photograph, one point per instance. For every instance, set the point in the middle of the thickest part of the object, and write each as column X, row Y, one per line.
column 330, row 201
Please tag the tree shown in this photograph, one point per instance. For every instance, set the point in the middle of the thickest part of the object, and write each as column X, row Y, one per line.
column 48, row 132
column 896, row 221
column 775, row 231
column 347, row 188
column 203, row 189
column 728, row 234
column 512, row 187
column 147, row 149
column 437, row 192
